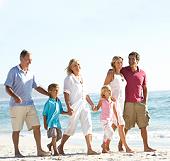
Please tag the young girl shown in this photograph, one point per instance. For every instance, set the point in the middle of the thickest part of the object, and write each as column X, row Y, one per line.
column 52, row 109
column 109, row 119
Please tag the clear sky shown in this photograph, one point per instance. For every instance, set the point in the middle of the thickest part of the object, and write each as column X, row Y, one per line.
column 92, row 31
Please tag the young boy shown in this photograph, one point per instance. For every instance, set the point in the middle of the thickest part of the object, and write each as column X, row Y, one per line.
column 52, row 109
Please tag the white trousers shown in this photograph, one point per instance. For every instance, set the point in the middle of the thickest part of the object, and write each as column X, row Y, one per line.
column 108, row 130
column 82, row 113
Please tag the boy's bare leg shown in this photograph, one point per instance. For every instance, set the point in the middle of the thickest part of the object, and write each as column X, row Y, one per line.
column 61, row 146
column 54, row 146
column 49, row 146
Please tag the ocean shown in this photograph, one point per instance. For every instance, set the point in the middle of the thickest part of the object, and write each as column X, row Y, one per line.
column 158, row 130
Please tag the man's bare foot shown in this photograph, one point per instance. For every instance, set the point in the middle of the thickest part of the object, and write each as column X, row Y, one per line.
column 91, row 152
column 120, row 148
column 19, row 155
column 49, row 147
column 148, row 149
column 42, row 153
column 60, row 150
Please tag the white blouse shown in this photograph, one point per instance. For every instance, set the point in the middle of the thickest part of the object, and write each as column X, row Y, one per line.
column 74, row 88
column 118, row 85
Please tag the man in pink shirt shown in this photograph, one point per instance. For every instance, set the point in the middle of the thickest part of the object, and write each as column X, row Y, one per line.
column 135, row 110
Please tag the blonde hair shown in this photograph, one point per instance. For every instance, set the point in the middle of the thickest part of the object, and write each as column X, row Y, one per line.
column 68, row 69
column 104, row 89
column 114, row 59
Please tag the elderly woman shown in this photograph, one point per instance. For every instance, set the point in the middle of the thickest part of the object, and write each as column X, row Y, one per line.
column 75, row 99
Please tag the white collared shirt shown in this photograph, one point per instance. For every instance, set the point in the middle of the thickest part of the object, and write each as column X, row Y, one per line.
column 74, row 88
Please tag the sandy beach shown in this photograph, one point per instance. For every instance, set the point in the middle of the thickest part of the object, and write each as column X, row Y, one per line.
column 75, row 149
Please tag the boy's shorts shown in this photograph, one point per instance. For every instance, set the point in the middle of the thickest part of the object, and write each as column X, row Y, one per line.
column 54, row 132
column 135, row 113
column 21, row 114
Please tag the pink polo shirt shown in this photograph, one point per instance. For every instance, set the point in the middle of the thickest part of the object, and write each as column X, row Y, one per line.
column 135, row 82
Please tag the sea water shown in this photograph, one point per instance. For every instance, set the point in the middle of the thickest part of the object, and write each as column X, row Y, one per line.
column 158, row 130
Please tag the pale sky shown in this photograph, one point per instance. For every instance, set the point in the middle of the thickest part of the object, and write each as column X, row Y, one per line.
column 93, row 31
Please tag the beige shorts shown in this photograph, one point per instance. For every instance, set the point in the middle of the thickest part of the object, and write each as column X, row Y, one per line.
column 21, row 114
column 135, row 113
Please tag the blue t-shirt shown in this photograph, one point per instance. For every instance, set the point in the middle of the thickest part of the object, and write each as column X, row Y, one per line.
column 22, row 84
column 52, row 109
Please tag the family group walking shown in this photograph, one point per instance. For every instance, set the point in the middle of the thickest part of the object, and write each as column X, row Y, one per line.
column 123, row 104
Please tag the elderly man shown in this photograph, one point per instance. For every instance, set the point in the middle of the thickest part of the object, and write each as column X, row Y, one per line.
column 19, row 84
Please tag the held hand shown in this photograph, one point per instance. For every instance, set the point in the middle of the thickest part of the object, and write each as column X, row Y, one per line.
column 70, row 111
column 94, row 108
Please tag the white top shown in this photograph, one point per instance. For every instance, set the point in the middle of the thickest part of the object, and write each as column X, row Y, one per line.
column 118, row 85
column 74, row 88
